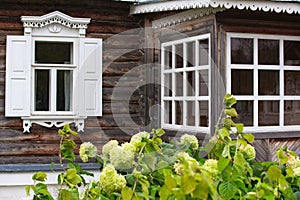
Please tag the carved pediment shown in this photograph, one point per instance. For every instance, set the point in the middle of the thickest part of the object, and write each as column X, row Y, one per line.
column 55, row 17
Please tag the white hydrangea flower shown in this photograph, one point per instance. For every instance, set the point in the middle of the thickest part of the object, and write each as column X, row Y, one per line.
column 129, row 147
column 294, row 163
column 189, row 140
column 211, row 166
column 249, row 151
column 110, row 181
column 121, row 159
column 137, row 138
column 86, row 151
column 109, row 146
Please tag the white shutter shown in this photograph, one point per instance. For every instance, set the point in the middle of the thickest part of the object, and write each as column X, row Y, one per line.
column 17, row 90
column 90, row 77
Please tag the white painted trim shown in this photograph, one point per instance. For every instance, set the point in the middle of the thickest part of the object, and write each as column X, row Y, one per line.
column 266, row 6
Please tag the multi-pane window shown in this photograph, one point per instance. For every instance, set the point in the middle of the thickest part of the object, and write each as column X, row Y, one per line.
column 186, row 83
column 53, row 77
column 263, row 73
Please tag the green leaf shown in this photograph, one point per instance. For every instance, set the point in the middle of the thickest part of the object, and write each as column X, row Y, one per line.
column 223, row 132
column 273, row 172
column 39, row 176
column 281, row 155
column 164, row 193
column 201, row 191
column 27, row 190
column 242, row 141
column 72, row 177
column 170, row 182
column 227, row 190
column 239, row 128
column 223, row 163
column 188, row 184
column 159, row 132
column 249, row 137
column 127, row 193
column 229, row 100
column 231, row 112
column 226, row 152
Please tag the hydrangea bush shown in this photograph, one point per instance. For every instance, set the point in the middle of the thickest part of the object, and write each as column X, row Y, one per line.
column 148, row 168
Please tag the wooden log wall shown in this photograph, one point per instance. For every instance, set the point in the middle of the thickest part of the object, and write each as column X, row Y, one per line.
column 120, row 56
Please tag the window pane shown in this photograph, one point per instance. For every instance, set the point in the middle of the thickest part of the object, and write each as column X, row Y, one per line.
column 178, row 112
column 179, row 56
column 190, row 54
column 203, row 78
column 292, row 113
column 268, row 82
column 63, row 90
column 168, row 57
column 203, row 52
column 292, row 53
column 268, row 113
column 168, row 85
column 268, row 52
column 241, row 51
column 190, row 83
column 245, row 110
column 203, row 113
column 291, row 82
column 242, row 82
column 168, row 112
column 53, row 52
column 190, row 113
column 42, row 90
column 179, row 84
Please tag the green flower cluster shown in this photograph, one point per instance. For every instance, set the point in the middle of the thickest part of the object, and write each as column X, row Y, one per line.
column 185, row 164
column 293, row 164
column 121, row 159
column 248, row 151
column 211, row 166
column 86, row 151
column 189, row 140
column 137, row 138
column 109, row 146
column 110, row 181
column 129, row 147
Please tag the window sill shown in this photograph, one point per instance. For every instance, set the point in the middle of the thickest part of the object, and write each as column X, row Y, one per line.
column 50, row 121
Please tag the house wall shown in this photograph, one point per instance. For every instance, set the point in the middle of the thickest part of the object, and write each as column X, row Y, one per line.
column 123, row 114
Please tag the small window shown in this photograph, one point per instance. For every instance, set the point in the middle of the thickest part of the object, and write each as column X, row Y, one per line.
column 264, row 72
column 53, row 52
column 186, row 83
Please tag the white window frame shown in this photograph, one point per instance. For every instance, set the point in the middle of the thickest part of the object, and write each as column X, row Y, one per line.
column 53, row 68
column 196, row 98
column 255, row 67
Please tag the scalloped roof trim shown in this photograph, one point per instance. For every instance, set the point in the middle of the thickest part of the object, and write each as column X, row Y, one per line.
column 256, row 5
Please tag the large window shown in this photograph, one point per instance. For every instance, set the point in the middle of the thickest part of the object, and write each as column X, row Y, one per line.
column 263, row 72
column 186, row 83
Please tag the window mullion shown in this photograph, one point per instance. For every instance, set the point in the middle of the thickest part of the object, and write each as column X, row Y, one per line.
column 281, row 84
column 53, row 90
column 197, row 84
column 173, row 85
column 185, row 114
column 255, row 82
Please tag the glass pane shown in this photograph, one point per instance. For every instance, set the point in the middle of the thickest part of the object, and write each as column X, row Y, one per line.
column 291, row 82
column 203, row 81
column 168, row 57
column 190, row 54
column 292, row 113
column 42, row 90
column 63, row 90
column 268, row 52
column 190, row 83
column 292, row 53
column 168, row 85
column 242, row 82
column 203, row 113
column 178, row 112
column 179, row 56
column 203, row 52
column 268, row 82
column 179, row 84
column 241, row 51
column 245, row 110
column 190, row 113
column 53, row 52
column 268, row 113
column 168, row 112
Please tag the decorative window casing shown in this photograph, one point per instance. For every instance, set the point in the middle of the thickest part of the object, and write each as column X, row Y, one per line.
column 185, row 91
column 263, row 74
column 53, row 73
